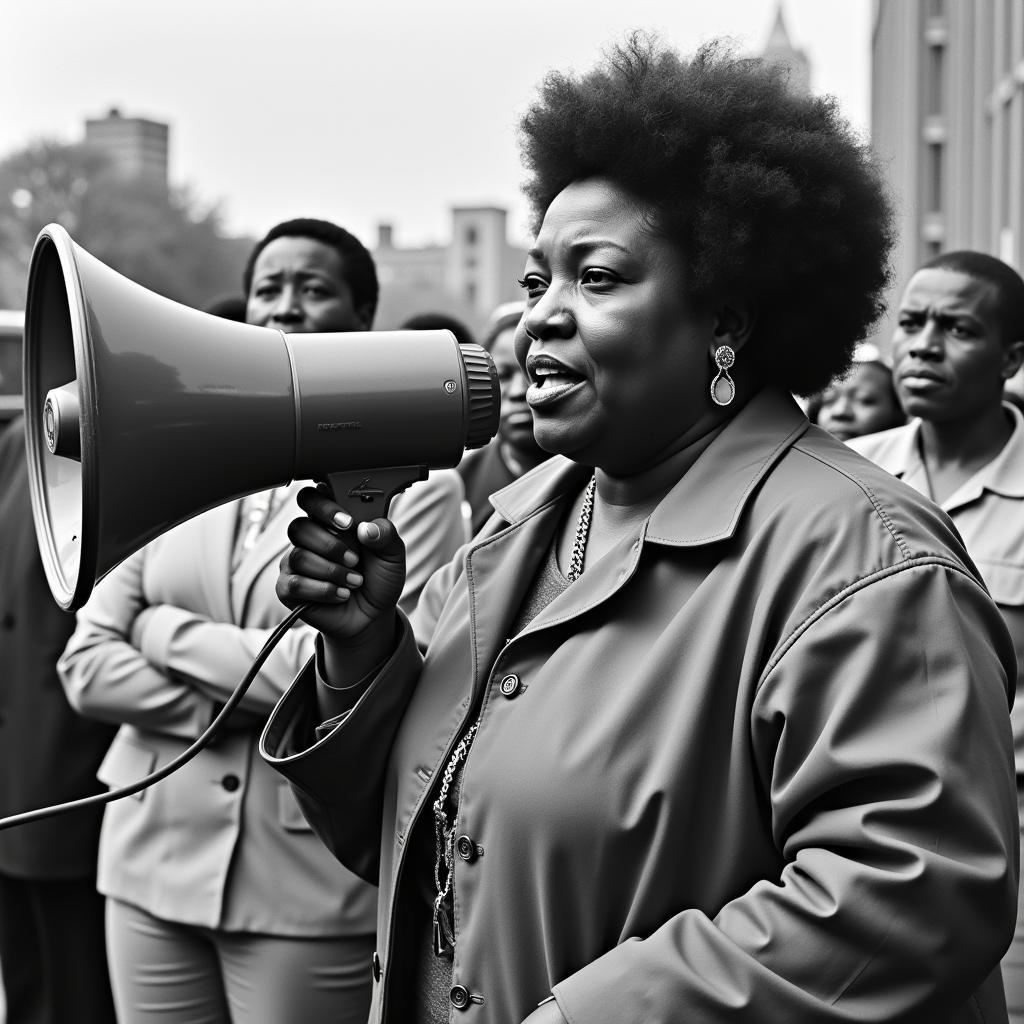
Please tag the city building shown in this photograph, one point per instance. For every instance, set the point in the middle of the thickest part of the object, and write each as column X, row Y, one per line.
column 136, row 146
column 470, row 275
column 947, row 123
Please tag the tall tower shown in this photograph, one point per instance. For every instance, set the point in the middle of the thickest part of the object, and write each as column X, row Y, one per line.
column 779, row 50
column 137, row 147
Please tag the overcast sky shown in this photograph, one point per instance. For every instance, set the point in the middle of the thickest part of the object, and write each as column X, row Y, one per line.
column 359, row 111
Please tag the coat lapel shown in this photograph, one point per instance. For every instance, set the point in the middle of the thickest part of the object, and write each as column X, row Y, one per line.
column 214, row 537
column 269, row 548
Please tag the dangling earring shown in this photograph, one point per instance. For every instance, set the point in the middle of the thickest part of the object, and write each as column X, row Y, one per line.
column 723, row 389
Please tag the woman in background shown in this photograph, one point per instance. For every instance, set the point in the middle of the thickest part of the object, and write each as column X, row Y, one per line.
column 862, row 402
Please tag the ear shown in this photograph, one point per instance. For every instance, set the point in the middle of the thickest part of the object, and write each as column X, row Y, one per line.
column 1013, row 358
column 733, row 324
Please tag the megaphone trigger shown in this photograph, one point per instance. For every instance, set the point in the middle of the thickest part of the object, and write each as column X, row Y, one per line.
column 366, row 494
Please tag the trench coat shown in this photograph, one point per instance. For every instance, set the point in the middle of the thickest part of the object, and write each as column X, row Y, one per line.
column 754, row 765
column 159, row 646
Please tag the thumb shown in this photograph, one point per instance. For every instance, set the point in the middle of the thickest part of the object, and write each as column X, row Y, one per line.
column 377, row 534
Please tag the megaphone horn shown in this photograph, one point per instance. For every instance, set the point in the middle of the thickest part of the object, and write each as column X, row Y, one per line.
column 141, row 412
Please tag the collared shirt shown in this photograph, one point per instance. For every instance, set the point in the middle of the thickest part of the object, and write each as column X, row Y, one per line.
column 988, row 510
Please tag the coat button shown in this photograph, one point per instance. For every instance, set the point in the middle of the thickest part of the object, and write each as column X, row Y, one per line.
column 459, row 997
column 466, row 849
column 376, row 966
column 509, row 686
column 231, row 783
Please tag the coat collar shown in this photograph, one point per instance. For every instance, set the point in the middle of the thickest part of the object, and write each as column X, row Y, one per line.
column 706, row 505
column 898, row 452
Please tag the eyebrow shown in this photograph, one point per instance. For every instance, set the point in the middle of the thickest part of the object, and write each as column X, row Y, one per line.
column 275, row 275
column 942, row 314
column 584, row 245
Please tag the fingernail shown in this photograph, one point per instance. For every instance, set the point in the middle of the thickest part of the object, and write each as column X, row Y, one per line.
column 350, row 558
column 372, row 531
column 342, row 520
column 353, row 579
column 344, row 593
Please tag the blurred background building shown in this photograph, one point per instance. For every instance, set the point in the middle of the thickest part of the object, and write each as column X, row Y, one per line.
column 467, row 277
column 780, row 50
column 135, row 146
column 947, row 122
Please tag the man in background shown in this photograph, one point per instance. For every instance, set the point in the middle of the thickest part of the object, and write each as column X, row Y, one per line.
column 959, row 338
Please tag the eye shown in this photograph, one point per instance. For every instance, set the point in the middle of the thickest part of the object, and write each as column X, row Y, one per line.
column 908, row 323
column 533, row 284
column 598, row 277
column 317, row 291
column 265, row 291
column 961, row 331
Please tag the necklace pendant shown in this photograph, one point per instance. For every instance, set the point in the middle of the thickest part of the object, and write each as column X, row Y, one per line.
column 442, row 947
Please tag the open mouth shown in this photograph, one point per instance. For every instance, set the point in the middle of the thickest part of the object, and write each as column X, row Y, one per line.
column 550, row 381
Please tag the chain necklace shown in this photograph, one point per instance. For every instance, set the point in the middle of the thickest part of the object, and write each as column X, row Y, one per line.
column 579, row 546
column 444, row 861
column 444, row 834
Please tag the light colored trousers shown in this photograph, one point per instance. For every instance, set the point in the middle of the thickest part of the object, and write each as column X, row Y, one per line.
column 171, row 973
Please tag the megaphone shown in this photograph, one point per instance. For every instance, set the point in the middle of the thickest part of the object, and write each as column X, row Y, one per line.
column 141, row 412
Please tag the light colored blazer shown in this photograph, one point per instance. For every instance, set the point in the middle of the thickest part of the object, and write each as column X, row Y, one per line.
column 753, row 766
column 161, row 644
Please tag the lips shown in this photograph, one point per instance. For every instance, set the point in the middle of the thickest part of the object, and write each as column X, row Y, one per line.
column 920, row 377
column 551, row 380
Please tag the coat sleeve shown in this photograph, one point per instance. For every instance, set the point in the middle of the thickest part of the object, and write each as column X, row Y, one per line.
column 338, row 769
column 107, row 678
column 883, row 741
column 213, row 656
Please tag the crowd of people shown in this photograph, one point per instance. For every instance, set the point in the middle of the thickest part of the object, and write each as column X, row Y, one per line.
column 689, row 697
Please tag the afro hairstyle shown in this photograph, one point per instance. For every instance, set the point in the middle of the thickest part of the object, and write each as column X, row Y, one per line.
column 357, row 264
column 768, row 195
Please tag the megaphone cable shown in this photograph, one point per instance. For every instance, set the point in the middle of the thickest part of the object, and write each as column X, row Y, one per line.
column 183, row 758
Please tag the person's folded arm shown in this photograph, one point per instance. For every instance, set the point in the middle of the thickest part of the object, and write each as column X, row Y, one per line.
column 882, row 735
column 213, row 657
column 107, row 678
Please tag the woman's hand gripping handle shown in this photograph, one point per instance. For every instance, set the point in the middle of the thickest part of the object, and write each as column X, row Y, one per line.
column 352, row 575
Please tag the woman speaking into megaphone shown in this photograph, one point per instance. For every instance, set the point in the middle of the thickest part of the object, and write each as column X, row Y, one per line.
column 709, row 723
column 221, row 904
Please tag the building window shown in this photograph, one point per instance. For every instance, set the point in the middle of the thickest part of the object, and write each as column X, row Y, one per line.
column 936, row 8
column 471, row 292
column 933, row 183
column 935, row 85
column 932, row 248
column 470, row 234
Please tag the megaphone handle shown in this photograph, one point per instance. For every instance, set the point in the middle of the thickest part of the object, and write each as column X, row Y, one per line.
column 366, row 493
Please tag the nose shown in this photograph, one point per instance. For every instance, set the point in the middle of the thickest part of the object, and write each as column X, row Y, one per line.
column 548, row 317
column 287, row 309
column 515, row 388
column 927, row 343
